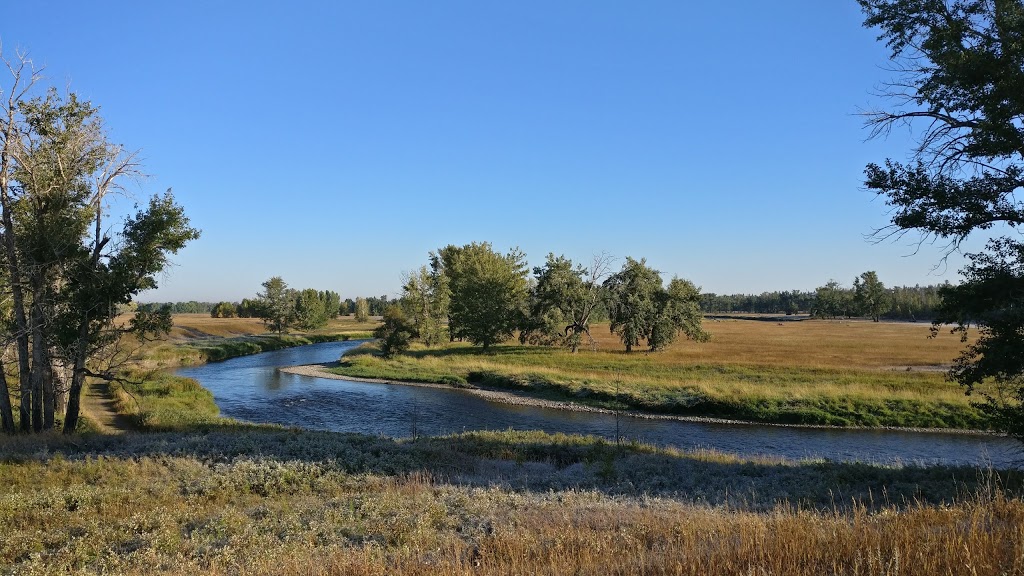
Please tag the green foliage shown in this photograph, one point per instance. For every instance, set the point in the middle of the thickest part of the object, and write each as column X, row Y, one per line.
column 224, row 310
column 677, row 310
column 426, row 299
column 396, row 333
column 66, row 275
column 631, row 296
column 869, row 296
column 963, row 80
column 563, row 301
column 488, row 292
column 831, row 301
column 362, row 310
column 277, row 305
column 642, row 309
column 311, row 309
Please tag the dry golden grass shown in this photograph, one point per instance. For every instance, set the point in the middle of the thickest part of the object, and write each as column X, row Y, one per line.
column 810, row 343
column 188, row 326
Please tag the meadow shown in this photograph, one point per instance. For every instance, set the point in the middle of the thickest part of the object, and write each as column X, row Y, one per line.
column 184, row 491
column 839, row 373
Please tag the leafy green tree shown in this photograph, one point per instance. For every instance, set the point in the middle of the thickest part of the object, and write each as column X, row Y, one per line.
column 425, row 298
column 870, row 296
column 277, row 305
column 310, row 310
column 632, row 302
column 641, row 309
column 223, row 310
column 67, row 277
column 563, row 300
column 396, row 332
column 962, row 83
column 488, row 293
column 829, row 300
column 677, row 311
column 362, row 310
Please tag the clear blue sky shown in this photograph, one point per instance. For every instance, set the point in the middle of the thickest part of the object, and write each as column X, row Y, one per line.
column 336, row 143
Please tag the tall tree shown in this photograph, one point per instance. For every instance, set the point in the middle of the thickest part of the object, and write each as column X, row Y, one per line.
column 677, row 311
column 563, row 301
column 870, row 296
column 277, row 305
column 488, row 293
column 425, row 299
column 961, row 66
column 67, row 276
column 311, row 309
column 362, row 310
column 830, row 300
column 641, row 309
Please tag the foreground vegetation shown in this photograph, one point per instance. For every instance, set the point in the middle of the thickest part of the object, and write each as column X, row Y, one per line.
column 811, row 372
column 191, row 492
column 236, row 499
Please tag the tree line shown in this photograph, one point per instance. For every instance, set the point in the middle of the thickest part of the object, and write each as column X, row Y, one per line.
column 866, row 297
column 476, row 294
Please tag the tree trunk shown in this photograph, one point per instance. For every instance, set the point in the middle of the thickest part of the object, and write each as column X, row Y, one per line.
column 13, row 268
column 37, row 374
column 6, row 413
column 77, row 378
column 49, row 394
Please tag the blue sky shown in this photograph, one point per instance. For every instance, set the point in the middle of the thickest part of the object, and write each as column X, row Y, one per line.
column 336, row 143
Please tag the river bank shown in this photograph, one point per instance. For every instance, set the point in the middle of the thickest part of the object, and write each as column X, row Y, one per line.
column 325, row 370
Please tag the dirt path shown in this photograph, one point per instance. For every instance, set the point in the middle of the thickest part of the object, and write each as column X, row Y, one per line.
column 98, row 406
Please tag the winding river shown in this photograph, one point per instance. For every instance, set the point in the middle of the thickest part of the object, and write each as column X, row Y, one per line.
column 251, row 388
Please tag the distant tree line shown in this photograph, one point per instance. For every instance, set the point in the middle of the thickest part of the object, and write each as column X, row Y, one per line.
column 476, row 294
column 866, row 297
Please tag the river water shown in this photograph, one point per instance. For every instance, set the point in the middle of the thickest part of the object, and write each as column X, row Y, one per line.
column 251, row 388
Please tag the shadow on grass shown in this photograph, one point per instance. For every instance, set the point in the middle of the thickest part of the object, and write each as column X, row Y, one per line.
column 540, row 462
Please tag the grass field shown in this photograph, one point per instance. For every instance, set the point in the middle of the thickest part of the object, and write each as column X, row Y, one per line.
column 811, row 372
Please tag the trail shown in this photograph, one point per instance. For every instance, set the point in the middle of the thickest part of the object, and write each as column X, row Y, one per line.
column 98, row 406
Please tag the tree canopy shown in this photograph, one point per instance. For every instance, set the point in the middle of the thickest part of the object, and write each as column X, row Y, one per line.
column 961, row 83
column 642, row 309
column 488, row 291
column 66, row 273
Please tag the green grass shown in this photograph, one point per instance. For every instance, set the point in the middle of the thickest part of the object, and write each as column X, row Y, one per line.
column 774, row 394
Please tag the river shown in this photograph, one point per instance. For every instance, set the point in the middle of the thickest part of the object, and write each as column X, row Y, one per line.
column 251, row 388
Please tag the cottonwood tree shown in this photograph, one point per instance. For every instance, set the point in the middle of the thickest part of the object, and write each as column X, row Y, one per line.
column 425, row 299
column 563, row 301
column 831, row 301
column 870, row 296
column 277, row 305
column 488, row 291
column 641, row 309
column 66, row 273
column 960, row 84
column 311, row 309
column 362, row 310
column 395, row 332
